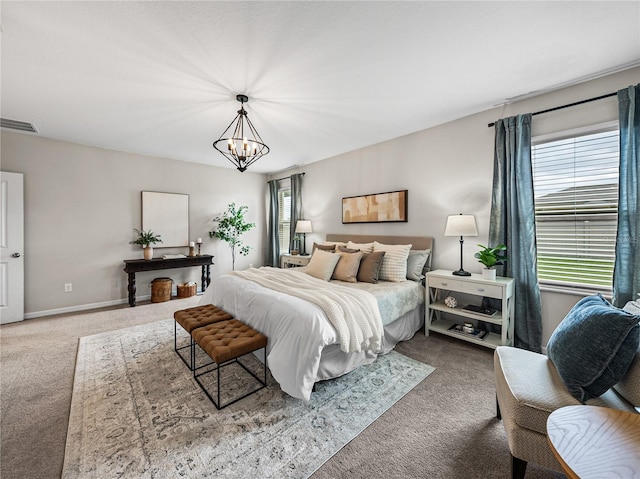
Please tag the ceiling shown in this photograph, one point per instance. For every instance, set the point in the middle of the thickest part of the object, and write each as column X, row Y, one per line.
column 323, row 78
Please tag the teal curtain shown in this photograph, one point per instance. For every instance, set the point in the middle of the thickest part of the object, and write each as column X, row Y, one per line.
column 296, row 204
column 273, row 250
column 513, row 224
column 626, row 273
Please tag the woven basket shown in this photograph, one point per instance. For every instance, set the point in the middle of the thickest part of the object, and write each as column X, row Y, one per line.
column 186, row 290
column 161, row 290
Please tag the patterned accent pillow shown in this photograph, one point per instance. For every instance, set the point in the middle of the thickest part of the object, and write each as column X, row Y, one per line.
column 347, row 267
column 593, row 346
column 344, row 249
column 394, row 264
column 322, row 264
column 364, row 247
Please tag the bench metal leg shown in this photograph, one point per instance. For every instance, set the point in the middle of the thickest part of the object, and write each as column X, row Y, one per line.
column 217, row 404
column 192, row 352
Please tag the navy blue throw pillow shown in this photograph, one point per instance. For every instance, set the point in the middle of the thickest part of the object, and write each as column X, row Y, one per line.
column 593, row 346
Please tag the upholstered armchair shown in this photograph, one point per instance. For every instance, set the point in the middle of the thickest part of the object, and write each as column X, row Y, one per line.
column 529, row 387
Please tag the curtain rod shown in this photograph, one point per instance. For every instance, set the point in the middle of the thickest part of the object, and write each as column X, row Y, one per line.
column 287, row 177
column 567, row 106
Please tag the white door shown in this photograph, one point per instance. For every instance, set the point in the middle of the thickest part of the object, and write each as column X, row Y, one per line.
column 11, row 247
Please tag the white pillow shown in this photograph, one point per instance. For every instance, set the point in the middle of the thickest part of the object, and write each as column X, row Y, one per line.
column 394, row 263
column 322, row 264
column 363, row 247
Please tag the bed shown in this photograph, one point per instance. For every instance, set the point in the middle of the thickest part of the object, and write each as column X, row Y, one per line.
column 304, row 344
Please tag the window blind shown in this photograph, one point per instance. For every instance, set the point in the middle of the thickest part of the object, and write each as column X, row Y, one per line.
column 575, row 184
column 284, row 219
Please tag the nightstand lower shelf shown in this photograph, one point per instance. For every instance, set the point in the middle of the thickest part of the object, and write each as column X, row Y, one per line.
column 491, row 340
column 459, row 311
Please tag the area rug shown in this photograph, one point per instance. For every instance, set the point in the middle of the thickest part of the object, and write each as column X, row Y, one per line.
column 136, row 412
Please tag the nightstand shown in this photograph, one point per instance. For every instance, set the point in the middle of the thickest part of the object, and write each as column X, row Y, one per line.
column 294, row 260
column 469, row 289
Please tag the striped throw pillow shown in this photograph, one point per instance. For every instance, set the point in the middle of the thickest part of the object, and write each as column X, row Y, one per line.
column 394, row 263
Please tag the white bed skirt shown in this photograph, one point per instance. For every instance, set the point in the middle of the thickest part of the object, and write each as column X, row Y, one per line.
column 334, row 362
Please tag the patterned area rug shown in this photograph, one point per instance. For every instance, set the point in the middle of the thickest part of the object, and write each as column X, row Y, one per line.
column 137, row 412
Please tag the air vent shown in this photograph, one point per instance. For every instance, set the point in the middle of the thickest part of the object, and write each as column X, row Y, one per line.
column 17, row 125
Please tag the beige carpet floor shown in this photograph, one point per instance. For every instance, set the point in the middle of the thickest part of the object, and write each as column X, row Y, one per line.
column 444, row 428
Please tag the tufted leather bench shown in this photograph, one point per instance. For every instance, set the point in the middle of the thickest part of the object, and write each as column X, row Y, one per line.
column 224, row 342
column 192, row 318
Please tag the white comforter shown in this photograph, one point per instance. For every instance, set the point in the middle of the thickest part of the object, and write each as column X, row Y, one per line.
column 354, row 313
column 297, row 330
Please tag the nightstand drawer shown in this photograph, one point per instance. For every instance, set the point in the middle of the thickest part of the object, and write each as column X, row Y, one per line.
column 300, row 260
column 445, row 283
column 488, row 290
column 294, row 260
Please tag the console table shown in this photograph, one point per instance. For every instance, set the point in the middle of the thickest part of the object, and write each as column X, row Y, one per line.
column 133, row 266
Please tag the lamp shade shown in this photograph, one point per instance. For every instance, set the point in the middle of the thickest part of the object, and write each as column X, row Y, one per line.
column 461, row 225
column 303, row 226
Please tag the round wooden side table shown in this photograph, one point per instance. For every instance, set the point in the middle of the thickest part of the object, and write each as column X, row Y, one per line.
column 595, row 442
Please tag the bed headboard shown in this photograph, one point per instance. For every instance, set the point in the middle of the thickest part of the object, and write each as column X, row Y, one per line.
column 416, row 242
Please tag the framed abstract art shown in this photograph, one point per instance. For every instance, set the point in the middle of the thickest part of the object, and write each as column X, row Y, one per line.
column 376, row 208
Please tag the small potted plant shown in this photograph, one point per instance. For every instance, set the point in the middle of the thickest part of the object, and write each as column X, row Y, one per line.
column 491, row 257
column 146, row 239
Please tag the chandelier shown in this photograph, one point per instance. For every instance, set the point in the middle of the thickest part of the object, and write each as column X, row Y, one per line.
column 240, row 143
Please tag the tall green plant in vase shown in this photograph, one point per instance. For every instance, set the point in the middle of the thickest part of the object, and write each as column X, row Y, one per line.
column 231, row 225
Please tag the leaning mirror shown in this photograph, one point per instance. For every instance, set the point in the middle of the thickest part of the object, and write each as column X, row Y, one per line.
column 166, row 214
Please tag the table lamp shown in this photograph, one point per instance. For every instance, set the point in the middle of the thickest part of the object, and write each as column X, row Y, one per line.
column 304, row 227
column 461, row 225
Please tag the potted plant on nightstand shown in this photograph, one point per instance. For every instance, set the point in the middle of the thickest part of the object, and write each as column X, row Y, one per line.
column 146, row 239
column 490, row 258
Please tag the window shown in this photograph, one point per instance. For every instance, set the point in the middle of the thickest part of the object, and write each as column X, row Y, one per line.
column 284, row 219
column 575, row 182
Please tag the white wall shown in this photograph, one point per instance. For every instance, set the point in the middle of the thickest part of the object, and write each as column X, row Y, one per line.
column 82, row 203
column 448, row 170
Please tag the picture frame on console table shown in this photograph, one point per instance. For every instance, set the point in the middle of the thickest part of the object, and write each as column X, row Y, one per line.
column 389, row 207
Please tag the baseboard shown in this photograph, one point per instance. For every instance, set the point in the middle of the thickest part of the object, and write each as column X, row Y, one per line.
column 82, row 307
column 86, row 307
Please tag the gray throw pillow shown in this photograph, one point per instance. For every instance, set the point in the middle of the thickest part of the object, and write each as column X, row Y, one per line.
column 344, row 249
column 324, row 247
column 370, row 265
column 593, row 346
column 415, row 263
